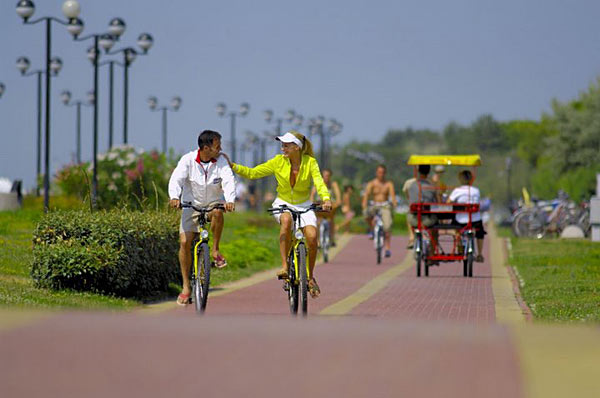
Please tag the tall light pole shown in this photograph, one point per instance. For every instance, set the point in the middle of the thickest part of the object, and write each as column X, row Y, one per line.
column 25, row 9
column 144, row 42
column 174, row 107
column 66, row 99
column 106, row 41
column 23, row 65
column 318, row 126
column 290, row 117
column 222, row 111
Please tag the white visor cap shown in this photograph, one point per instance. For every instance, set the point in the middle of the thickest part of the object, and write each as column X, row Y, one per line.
column 289, row 138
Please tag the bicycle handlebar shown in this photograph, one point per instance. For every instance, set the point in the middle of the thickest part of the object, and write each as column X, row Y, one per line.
column 217, row 206
column 284, row 208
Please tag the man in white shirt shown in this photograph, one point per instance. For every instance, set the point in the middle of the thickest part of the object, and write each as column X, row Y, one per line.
column 201, row 177
column 467, row 193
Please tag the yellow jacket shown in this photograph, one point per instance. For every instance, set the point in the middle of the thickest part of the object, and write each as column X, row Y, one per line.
column 280, row 166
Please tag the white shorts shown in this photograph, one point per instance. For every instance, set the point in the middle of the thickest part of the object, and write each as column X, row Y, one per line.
column 308, row 218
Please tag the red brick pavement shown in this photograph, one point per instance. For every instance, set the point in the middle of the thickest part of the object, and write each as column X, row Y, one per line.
column 348, row 271
column 128, row 355
column 444, row 295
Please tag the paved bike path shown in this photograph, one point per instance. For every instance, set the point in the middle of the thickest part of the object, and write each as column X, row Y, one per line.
column 352, row 267
column 444, row 295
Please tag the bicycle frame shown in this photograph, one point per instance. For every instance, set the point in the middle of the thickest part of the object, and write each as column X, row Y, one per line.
column 294, row 247
column 200, row 284
column 296, row 283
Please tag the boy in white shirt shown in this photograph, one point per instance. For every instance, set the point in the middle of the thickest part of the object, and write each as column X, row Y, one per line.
column 466, row 193
column 203, row 178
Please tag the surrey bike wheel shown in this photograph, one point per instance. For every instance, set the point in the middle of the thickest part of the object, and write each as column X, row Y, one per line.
column 292, row 287
column 418, row 247
column 303, row 278
column 470, row 255
column 202, row 281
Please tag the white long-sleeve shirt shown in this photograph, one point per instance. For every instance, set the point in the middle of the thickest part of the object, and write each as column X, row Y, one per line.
column 202, row 183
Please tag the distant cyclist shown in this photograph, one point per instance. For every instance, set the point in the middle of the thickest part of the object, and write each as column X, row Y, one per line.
column 294, row 170
column 380, row 195
column 202, row 178
column 333, row 188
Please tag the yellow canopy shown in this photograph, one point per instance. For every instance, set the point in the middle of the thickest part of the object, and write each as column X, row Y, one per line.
column 446, row 160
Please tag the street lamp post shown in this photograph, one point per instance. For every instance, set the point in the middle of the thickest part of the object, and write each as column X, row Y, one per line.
column 222, row 111
column 106, row 41
column 316, row 126
column 174, row 107
column 25, row 9
column 145, row 42
column 66, row 99
column 290, row 117
column 23, row 65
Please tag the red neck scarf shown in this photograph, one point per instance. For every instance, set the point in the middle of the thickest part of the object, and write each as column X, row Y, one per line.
column 213, row 160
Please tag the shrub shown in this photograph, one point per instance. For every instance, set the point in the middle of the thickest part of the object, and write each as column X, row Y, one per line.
column 125, row 253
column 126, row 177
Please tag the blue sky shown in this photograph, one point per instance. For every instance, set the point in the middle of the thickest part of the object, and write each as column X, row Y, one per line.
column 373, row 65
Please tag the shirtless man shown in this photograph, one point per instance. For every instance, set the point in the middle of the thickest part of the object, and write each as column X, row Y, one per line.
column 380, row 192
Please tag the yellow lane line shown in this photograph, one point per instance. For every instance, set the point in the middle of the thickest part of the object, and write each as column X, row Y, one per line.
column 507, row 307
column 559, row 360
column 231, row 287
column 369, row 289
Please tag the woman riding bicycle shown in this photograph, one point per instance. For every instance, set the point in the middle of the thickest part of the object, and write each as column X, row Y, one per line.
column 293, row 170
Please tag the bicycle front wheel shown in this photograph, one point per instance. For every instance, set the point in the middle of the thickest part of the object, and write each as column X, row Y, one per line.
column 202, row 280
column 379, row 244
column 303, row 278
column 293, row 287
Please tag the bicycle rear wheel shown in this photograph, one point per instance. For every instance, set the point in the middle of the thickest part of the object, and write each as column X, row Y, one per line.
column 202, row 280
column 303, row 278
column 325, row 240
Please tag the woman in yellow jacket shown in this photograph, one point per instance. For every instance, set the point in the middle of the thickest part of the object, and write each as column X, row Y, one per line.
column 293, row 170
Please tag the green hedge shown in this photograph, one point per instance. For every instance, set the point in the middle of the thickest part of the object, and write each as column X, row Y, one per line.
column 125, row 253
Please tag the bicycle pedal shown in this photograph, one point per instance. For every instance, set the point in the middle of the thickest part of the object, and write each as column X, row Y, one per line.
column 286, row 287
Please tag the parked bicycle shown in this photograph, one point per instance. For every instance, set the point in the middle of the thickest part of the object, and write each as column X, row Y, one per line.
column 552, row 216
column 296, row 283
column 200, row 272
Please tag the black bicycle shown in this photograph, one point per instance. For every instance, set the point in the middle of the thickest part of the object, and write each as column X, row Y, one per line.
column 200, row 272
column 324, row 240
column 296, row 283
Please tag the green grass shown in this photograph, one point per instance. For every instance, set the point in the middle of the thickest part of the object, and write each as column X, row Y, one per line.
column 16, row 286
column 560, row 279
column 249, row 243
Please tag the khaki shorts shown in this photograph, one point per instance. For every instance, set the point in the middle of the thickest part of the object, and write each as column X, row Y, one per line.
column 189, row 220
column 426, row 219
column 386, row 214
